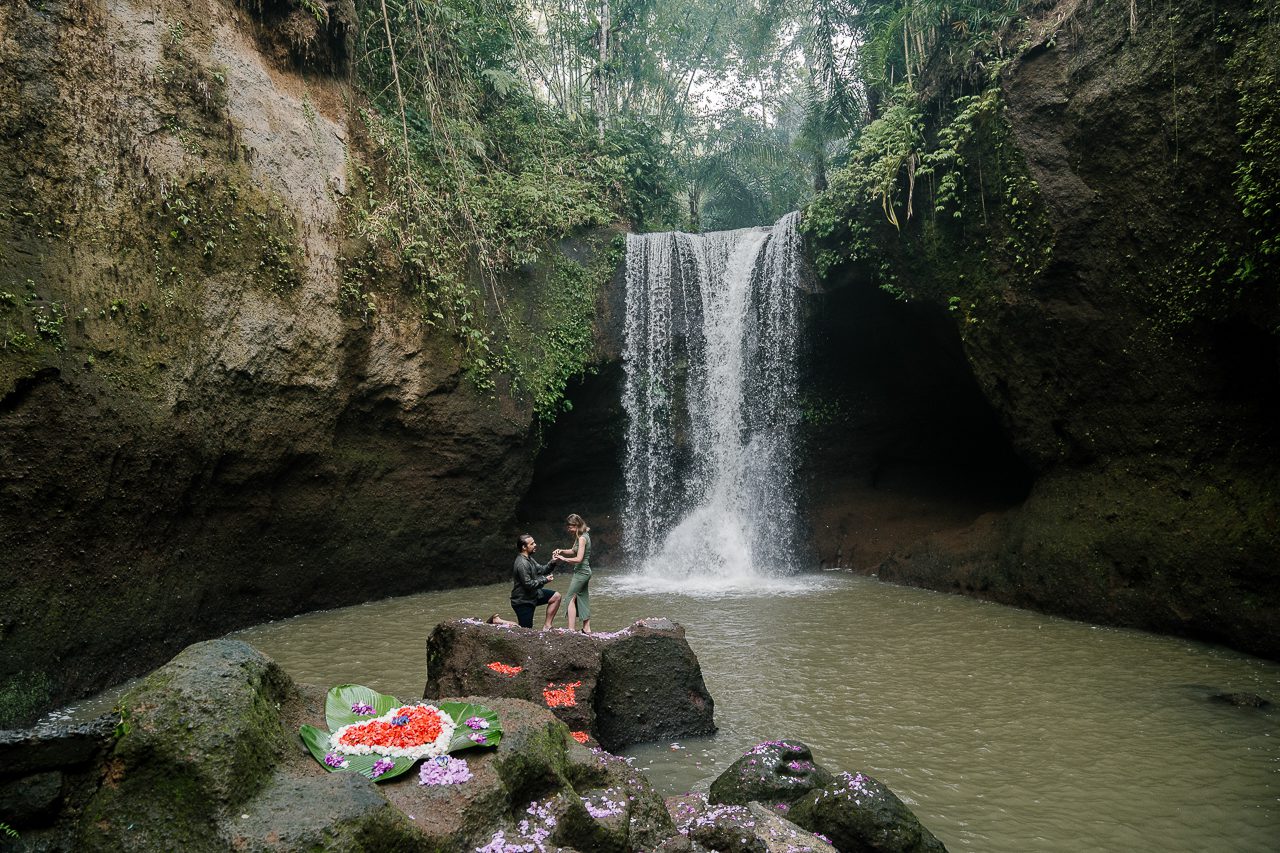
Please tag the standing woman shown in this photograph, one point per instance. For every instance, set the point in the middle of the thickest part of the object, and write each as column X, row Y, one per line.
column 579, row 558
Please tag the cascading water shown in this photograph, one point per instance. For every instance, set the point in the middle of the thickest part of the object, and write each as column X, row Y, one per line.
column 710, row 358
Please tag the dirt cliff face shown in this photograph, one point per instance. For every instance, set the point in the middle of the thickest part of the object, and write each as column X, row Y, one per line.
column 200, row 428
column 1136, row 378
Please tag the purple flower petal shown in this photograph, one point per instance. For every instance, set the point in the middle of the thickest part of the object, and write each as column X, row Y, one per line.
column 444, row 771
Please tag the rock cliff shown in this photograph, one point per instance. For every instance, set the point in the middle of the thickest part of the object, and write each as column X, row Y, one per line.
column 205, row 420
column 1094, row 424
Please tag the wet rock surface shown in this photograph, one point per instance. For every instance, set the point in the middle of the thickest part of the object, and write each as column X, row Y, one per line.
column 772, row 772
column 749, row 828
column 1081, row 441
column 199, row 736
column 849, row 811
column 858, row 813
column 639, row 684
column 215, row 447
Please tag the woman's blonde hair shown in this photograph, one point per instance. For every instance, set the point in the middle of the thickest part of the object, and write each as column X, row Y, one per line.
column 575, row 521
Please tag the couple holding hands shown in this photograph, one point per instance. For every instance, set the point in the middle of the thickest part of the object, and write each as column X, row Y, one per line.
column 530, row 577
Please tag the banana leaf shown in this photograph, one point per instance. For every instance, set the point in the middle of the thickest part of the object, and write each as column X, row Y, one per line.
column 337, row 705
column 319, row 745
column 460, row 712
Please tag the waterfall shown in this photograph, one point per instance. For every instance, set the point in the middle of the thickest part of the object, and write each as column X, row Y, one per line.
column 710, row 396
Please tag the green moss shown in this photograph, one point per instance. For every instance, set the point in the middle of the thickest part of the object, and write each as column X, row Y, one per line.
column 553, row 342
column 537, row 764
column 212, row 223
column 1219, row 269
column 23, row 697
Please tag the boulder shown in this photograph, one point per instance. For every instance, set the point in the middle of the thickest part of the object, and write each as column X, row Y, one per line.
column 641, row 683
column 324, row 811
column 49, row 768
column 860, row 815
column 749, row 828
column 773, row 772
column 855, row 812
column 528, row 764
column 27, row 800
column 200, row 734
column 650, row 687
column 53, row 746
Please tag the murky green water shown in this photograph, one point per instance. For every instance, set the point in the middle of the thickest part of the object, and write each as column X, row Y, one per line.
column 1005, row 730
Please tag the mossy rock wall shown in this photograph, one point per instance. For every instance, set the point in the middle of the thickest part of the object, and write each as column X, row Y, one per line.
column 210, row 414
column 1109, row 280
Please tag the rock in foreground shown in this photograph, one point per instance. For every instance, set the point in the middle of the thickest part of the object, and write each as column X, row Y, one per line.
column 854, row 812
column 642, row 683
column 208, row 758
column 749, row 828
column 776, row 771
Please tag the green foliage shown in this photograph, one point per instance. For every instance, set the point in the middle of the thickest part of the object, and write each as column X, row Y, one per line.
column 542, row 357
column 983, row 221
column 23, row 696
column 48, row 320
column 888, row 151
column 29, row 320
column 223, row 226
column 1256, row 65
column 1219, row 268
column 475, row 176
column 750, row 176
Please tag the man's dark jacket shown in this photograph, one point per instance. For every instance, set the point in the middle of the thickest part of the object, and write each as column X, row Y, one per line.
column 528, row 577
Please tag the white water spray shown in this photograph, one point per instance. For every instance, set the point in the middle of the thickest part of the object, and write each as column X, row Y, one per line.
column 711, row 403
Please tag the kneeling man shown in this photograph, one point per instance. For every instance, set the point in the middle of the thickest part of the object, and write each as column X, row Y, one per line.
column 527, row 591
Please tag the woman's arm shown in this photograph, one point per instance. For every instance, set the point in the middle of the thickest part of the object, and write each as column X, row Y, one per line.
column 576, row 556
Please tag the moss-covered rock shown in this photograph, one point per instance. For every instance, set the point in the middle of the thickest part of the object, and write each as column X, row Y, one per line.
column 198, row 736
column 1126, row 344
column 331, row 812
column 857, row 813
column 208, row 757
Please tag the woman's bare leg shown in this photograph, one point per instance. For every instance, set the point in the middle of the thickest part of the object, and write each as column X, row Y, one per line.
column 552, row 606
column 573, row 613
column 586, row 626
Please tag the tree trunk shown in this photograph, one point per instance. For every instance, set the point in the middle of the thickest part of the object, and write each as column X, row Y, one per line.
column 600, row 80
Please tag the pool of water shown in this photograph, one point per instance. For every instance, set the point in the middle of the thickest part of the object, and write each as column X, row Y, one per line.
column 1005, row 730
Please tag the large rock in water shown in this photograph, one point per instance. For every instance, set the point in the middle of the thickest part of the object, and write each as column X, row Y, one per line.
column 859, row 814
column 642, row 683
column 855, row 813
column 776, row 771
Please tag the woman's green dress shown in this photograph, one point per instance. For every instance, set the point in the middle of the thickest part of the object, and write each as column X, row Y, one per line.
column 581, row 577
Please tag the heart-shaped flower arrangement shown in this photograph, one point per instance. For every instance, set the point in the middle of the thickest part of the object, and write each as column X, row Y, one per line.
column 377, row 736
column 411, row 731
